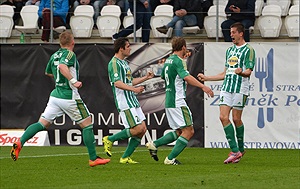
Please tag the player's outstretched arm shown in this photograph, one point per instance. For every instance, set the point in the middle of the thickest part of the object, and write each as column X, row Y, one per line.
column 193, row 81
column 119, row 84
column 217, row 77
column 139, row 80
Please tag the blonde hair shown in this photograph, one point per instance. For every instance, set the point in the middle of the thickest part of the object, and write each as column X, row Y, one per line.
column 66, row 39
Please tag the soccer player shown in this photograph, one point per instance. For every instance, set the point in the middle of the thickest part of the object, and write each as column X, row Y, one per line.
column 64, row 99
column 178, row 113
column 124, row 91
column 240, row 60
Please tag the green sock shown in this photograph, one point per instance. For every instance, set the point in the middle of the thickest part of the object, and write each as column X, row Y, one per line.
column 124, row 134
column 166, row 139
column 31, row 131
column 89, row 141
column 229, row 131
column 240, row 137
column 180, row 145
column 133, row 143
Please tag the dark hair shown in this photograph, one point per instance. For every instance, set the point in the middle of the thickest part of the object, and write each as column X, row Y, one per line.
column 120, row 43
column 239, row 27
column 178, row 43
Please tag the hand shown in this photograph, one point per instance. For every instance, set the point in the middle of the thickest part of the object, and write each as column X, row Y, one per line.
column 187, row 54
column 146, row 4
column 77, row 84
column 138, row 89
column 238, row 71
column 150, row 75
column 201, row 77
column 164, row 1
column 208, row 91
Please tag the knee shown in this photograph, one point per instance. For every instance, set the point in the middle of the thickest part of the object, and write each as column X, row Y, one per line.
column 179, row 24
column 224, row 119
column 237, row 121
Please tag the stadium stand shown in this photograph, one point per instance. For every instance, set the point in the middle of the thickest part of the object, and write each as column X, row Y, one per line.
column 109, row 22
column 82, row 22
column 6, row 21
column 287, row 32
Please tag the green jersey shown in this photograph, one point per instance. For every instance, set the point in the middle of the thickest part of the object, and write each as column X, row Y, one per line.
column 120, row 70
column 174, row 72
column 63, row 88
column 238, row 57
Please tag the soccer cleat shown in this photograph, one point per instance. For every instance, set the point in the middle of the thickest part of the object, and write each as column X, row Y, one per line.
column 163, row 29
column 238, row 160
column 107, row 144
column 171, row 162
column 127, row 160
column 233, row 157
column 98, row 161
column 152, row 149
column 15, row 150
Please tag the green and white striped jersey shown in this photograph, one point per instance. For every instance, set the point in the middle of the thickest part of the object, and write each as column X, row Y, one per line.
column 174, row 72
column 238, row 57
column 120, row 70
column 63, row 88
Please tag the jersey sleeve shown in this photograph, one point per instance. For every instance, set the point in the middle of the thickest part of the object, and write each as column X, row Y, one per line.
column 250, row 59
column 114, row 71
column 68, row 58
column 48, row 67
column 181, row 69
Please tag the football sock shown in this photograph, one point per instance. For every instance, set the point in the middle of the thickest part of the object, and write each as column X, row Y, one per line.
column 229, row 131
column 240, row 137
column 89, row 141
column 133, row 143
column 166, row 139
column 124, row 134
column 181, row 143
column 31, row 131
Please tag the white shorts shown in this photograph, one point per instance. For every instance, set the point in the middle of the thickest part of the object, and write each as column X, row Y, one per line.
column 56, row 107
column 132, row 117
column 179, row 117
column 234, row 100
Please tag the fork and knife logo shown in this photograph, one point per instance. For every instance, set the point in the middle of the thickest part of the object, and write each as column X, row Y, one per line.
column 264, row 72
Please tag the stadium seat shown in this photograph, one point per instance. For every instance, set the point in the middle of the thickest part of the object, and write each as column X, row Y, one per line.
column 29, row 15
column 221, row 2
column 210, row 21
column 6, row 21
column 295, row 2
column 284, row 4
column 258, row 7
column 292, row 21
column 128, row 20
column 109, row 22
column 163, row 14
column 270, row 23
column 82, row 22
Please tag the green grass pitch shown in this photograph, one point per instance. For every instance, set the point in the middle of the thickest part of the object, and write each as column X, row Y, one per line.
column 67, row 167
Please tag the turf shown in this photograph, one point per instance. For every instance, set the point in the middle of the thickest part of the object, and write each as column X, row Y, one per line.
column 67, row 167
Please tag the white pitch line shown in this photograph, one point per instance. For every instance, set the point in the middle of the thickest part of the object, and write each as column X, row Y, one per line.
column 77, row 154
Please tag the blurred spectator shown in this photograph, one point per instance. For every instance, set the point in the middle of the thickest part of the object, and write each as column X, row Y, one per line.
column 60, row 12
column 18, row 4
column 239, row 11
column 155, row 3
column 206, row 4
column 33, row 2
column 185, row 15
column 95, row 3
column 143, row 16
